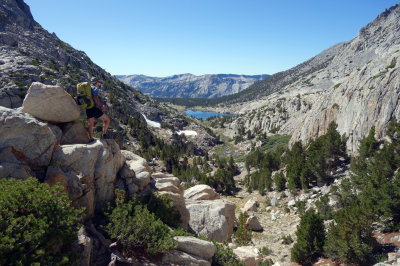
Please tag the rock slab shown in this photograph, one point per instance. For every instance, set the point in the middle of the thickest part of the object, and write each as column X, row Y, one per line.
column 50, row 103
column 201, row 192
column 212, row 218
column 195, row 246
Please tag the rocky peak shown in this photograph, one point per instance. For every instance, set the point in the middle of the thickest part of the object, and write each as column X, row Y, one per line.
column 15, row 13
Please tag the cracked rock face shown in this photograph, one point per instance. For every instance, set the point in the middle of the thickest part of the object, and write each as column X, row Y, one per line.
column 31, row 141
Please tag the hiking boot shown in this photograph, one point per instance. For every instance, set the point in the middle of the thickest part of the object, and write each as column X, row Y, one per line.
column 91, row 140
column 105, row 136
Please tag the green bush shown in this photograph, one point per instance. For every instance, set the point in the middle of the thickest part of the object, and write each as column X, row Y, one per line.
column 350, row 239
column 287, row 240
column 265, row 251
column 37, row 223
column 310, row 238
column 280, row 181
column 243, row 232
column 225, row 256
column 133, row 226
column 323, row 207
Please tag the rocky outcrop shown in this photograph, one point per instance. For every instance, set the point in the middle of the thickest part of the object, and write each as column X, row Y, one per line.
column 88, row 172
column 167, row 184
column 50, row 103
column 30, row 141
column 201, row 192
column 194, row 246
column 213, row 219
column 176, row 257
column 137, row 165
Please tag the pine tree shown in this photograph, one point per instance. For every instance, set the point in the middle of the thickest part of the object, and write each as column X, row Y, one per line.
column 368, row 144
column 310, row 238
column 295, row 160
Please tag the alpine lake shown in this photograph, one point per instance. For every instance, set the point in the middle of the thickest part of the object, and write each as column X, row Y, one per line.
column 204, row 115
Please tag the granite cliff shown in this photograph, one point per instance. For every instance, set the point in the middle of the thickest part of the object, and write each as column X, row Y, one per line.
column 355, row 83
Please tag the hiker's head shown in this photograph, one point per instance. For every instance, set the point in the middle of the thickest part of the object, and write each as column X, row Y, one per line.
column 95, row 81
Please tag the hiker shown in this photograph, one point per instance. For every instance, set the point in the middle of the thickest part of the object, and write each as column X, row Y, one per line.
column 97, row 112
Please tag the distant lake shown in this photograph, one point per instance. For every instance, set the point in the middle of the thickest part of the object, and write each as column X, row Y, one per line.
column 204, row 115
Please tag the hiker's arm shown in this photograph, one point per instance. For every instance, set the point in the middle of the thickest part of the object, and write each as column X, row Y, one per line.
column 96, row 99
column 98, row 103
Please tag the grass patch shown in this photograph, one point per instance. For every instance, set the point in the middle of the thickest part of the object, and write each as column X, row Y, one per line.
column 337, row 85
column 392, row 64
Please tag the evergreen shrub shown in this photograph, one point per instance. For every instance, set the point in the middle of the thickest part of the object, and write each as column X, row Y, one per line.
column 134, row 226
column 225, row 256
column 310, row 238
column 37, row 223
column 243, row 232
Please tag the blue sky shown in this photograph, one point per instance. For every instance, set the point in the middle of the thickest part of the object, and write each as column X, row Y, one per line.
column 166, row 37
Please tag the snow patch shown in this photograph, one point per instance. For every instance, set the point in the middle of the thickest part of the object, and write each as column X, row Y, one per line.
column 187, row 132
column 152, row 123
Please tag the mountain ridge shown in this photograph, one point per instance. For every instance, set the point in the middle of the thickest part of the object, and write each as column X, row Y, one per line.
column 190, row 86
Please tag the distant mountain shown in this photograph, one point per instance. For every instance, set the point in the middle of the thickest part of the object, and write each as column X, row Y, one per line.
column 191, row 86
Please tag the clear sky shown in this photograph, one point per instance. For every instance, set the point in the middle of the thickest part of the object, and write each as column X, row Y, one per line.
column 166, row 37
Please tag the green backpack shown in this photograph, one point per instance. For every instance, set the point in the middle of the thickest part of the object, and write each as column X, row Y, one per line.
column 84, row 98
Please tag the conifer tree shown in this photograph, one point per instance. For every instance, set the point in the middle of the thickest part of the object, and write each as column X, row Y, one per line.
column 310, row 238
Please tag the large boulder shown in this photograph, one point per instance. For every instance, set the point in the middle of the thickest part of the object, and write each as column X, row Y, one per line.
column 74, row 133
column 250, row 206
column 201, row 192
column 88, row 172
column 212, row 218
column 195, row 246
column 50, row 103
column 247, row 254
column 139, row 166
column 253, row 223
column 31, row 142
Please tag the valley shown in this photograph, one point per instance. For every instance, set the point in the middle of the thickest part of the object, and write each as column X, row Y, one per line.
column 303, row 168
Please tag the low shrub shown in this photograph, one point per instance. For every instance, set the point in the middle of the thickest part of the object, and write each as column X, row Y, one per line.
column 287, row 240
column 225, row 256
column 134, row 226
column 265, row 251
column 243, row 232
column 37, row 223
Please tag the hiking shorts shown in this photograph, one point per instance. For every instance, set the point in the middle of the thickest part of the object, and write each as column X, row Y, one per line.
column 94, row 112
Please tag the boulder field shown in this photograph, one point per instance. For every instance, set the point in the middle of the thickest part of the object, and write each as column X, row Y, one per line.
column 50, row 145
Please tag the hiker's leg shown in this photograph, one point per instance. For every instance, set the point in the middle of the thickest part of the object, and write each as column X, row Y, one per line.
column 106, row 122
column 90, row 127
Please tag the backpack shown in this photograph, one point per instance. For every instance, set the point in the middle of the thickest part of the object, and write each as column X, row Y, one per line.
column 84, row 98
